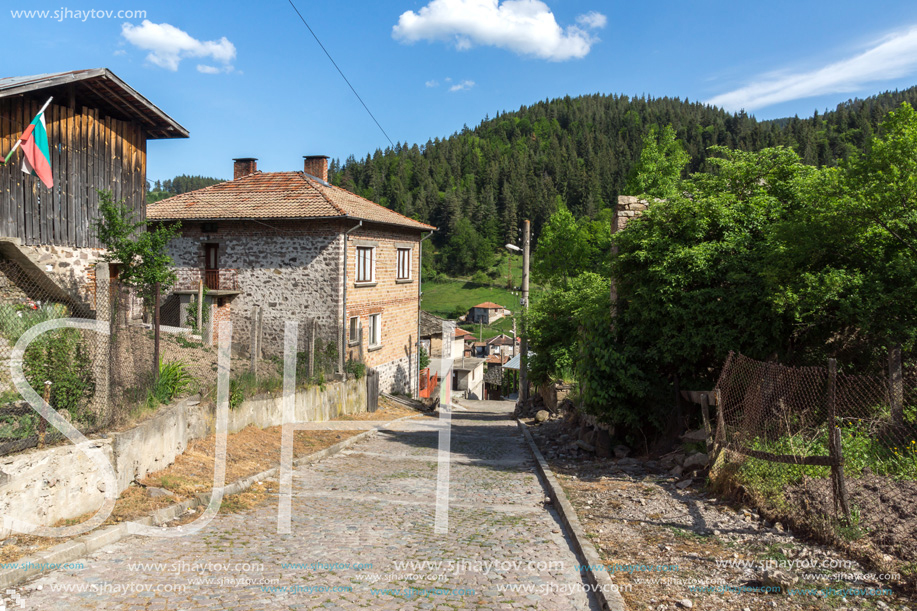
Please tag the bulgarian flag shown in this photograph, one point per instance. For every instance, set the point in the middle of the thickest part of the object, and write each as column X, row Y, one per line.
column 37, row 155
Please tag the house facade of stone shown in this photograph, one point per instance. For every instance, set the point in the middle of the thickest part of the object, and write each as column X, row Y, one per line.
column 502, row 345
column 487, row 313
column 300, row 249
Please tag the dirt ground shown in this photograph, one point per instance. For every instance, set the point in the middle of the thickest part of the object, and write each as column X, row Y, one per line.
column 249, row 451
column 671, row 547
column 885, row 509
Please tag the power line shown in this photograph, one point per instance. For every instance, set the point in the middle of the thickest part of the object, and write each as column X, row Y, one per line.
column 342, row 74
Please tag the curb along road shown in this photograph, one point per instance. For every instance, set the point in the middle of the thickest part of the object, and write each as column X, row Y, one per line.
column 605, row 591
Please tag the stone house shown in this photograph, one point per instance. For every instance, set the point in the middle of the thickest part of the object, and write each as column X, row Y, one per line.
column 487, row 313
column 298, row 248
column 431, row 337
column 502, row 345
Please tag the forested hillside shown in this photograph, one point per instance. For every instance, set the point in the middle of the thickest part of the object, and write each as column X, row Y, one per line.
column 579, row 151
column 160, row 190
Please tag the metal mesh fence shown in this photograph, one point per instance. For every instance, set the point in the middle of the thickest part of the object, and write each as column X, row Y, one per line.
column 65, row 366
column 98, row 379
column 829, row 451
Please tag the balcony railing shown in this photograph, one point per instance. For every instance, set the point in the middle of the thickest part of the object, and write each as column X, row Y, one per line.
column 225, row 279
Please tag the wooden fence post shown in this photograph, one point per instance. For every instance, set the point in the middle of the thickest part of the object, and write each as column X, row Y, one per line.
column 200, row 307
column 834, row 445
column 312, row 349
column 895, row 385
column 253, row 348
column 156, row 292
column 705, row 415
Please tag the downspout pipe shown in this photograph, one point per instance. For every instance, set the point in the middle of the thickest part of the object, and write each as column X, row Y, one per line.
column 344, row 304
column 419, row 298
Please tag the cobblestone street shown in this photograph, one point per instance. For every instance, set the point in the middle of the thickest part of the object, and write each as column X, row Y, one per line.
column 362, row 537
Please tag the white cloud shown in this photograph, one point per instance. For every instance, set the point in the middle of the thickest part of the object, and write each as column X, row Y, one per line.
column 592, row 20
column 168, row 45
column 891, row 57
column 466, row 84
column 433, row 83
column 527, row 27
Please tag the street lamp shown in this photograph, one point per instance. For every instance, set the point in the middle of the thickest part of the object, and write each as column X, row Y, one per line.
column 526, row 237
column 509, row 267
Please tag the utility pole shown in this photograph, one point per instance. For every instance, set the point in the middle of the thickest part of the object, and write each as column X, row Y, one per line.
column 526, row 242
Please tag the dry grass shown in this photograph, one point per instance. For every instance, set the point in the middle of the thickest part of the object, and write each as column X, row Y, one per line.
column 250, row 451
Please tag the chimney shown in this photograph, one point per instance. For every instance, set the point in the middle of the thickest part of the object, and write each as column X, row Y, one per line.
column 316, row 165
column 243, row 166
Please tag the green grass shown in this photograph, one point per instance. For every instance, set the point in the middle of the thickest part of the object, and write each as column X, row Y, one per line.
column 861, row 449
column 443, row 298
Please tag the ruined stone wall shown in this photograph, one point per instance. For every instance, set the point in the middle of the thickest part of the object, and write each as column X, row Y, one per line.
column 628, row 208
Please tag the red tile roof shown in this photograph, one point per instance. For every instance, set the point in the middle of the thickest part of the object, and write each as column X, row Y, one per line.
column 489, row 305
column 275, row 195
column 460, row 332
column 497, row 359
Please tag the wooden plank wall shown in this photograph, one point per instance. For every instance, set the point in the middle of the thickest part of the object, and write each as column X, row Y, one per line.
column 88, row 152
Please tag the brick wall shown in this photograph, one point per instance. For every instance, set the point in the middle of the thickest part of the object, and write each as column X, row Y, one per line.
column 395, row 300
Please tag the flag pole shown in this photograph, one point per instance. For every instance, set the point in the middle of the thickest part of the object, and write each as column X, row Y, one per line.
column 19, row 140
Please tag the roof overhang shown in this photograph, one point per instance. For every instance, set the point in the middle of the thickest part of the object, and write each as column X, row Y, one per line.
column 98, row 88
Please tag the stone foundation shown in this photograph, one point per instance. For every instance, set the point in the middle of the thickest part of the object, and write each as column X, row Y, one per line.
column 397, row 376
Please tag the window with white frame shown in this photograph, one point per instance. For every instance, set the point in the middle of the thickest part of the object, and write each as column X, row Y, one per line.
column 366, row 264
column 375, row 330
column 403, row 268
column 354, row 329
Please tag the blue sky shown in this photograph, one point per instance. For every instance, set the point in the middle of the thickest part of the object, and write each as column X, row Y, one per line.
column 247, row 79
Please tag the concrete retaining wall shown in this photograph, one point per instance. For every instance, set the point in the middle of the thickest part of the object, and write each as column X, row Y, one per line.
column 45, row 486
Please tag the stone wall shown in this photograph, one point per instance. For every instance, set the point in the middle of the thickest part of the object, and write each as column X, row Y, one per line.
column 288, row 268
column 45, row 486
column 71, row 269
column 397, row 375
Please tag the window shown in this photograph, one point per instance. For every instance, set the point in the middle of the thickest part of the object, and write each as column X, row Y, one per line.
column 375, row 330
column 354, row 329
column 366, row 264
column 403, row 269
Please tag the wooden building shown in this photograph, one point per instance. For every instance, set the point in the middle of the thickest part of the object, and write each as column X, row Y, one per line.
column 98, row 127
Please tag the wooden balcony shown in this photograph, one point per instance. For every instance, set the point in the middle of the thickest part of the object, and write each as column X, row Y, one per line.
column 219, row 282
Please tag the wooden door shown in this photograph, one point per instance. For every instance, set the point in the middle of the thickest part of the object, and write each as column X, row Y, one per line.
column 211, row 266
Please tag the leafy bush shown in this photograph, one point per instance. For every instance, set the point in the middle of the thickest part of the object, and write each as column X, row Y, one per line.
column 174, row 379
column 59, row 356
column 191, row 312
column 355, row 368
column 324, row 363
column 480, row 278
column 423, row 358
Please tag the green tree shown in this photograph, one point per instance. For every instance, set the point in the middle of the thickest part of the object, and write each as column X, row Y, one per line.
column 140, row 251
column 467, row 251
column 658, row 171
